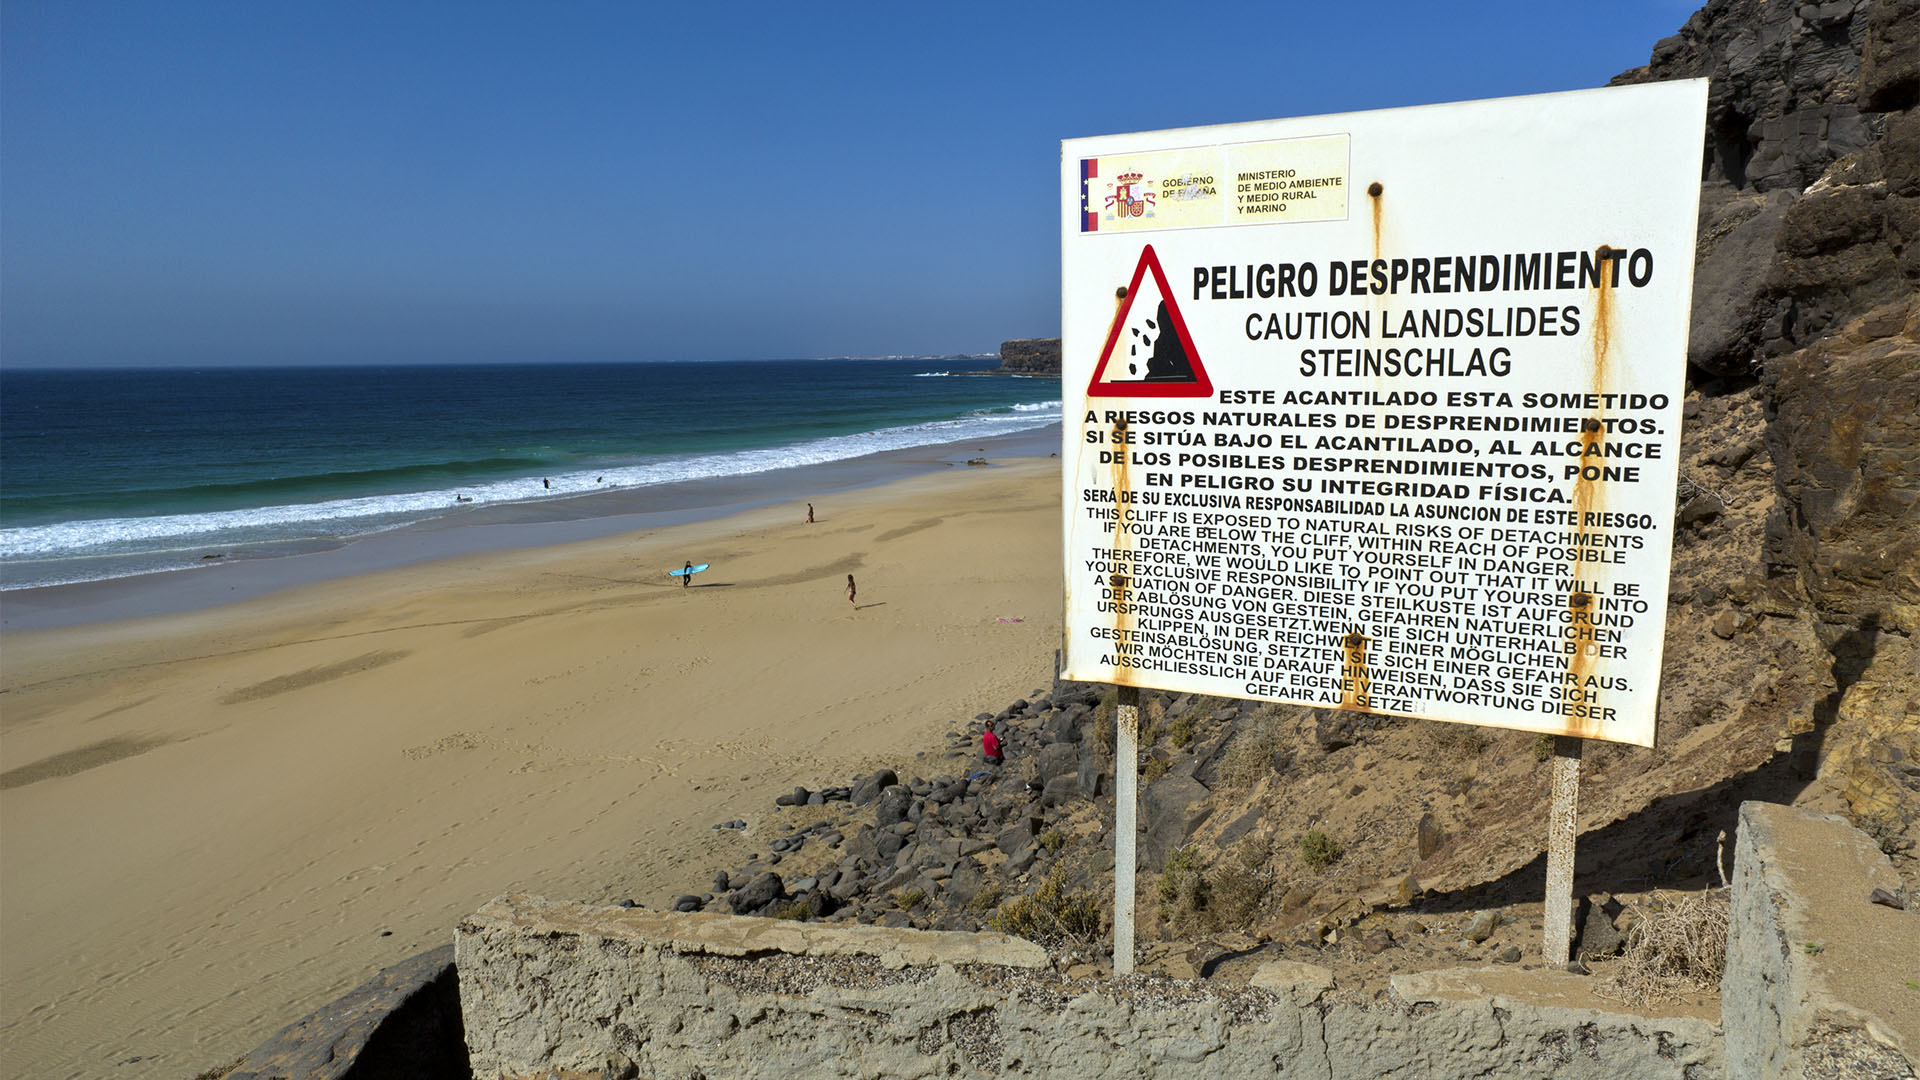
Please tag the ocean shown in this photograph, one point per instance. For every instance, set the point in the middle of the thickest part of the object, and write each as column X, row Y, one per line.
column 112, row 473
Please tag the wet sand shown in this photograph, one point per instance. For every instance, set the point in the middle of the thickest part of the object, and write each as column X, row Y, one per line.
column 211, row 817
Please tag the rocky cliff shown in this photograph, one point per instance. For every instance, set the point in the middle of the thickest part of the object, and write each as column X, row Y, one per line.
column 1808, row 211
column 1809, row 265
column 1030, row 356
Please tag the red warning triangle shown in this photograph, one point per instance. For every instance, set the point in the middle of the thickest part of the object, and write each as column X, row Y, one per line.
column 1149, row 354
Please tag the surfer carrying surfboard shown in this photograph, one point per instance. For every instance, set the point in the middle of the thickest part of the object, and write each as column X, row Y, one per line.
column 686, row 574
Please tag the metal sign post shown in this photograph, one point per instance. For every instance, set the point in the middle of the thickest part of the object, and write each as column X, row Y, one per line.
column 1560, row 832
column 1126, row 784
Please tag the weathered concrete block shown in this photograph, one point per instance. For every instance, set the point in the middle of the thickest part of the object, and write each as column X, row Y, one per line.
column 1533, row 1023
column 1816, row 972
column 562, row 989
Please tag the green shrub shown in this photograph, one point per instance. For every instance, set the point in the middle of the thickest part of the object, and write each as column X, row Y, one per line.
column 1053, row 840
column 1183, row 890
column 1053, row 913
column 986, row 899
column 908, row 899
column 1542, row 746
column 797, row 911
column 1320, row 850
column 1181, row 732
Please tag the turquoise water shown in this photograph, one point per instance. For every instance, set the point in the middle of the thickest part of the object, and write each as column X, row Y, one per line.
column 110, row 473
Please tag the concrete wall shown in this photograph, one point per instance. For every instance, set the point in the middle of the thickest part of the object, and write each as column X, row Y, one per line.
column 559, row 989
column 1821, row 981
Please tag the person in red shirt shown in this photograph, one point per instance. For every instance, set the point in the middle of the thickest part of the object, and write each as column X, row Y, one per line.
column 990, row 745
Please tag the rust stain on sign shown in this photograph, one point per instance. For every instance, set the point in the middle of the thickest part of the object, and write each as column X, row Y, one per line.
column 1120, row 583
column 1589, row 489
column 1378, row 299
column 1374, row 191
column 1122, row 486
column 1356, row 681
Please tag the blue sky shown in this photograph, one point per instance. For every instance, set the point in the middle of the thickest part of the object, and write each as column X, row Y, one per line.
column 273, row 183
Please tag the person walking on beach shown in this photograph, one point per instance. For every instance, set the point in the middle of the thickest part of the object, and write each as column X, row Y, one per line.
column 850, row 602
column 809, row 513
column 686, row 574
column 990, row 746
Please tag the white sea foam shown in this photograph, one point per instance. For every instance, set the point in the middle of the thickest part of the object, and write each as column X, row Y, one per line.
column 110, row 547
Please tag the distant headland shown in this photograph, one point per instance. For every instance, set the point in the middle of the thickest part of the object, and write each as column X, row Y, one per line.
column 1027, row 356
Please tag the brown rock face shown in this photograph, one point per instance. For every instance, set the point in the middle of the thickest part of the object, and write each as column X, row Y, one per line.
column 1845, row 441
column 1030, row 356
column 1890, row 60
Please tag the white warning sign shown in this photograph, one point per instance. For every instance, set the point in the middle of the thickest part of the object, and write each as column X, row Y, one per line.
column 1412, row 453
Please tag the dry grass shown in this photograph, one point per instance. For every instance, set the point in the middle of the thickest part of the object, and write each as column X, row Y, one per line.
column 1103, row 735
column 1460, row 741
column 1250, row 757
column 1153, row 721
column 1232, row 894
column 1678, row 948
column 1241, row 892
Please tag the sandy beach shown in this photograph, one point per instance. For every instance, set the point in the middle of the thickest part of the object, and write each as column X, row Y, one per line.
column 215, row 821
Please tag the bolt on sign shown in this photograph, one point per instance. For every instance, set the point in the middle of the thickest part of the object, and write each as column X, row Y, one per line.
column 1381, row 411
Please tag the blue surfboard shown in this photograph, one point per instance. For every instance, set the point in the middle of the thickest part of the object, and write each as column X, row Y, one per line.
column 683, row 571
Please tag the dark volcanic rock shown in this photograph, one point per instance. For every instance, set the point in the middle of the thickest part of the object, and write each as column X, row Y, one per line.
column 1782, row 103
column 757, row 894
column 1091, row 780
column 1428, row 836
column 1890, row 57
column 1598, row 938
column 405, row 1021
column 1172, row 807
column 869, row 789
column 1030, row 356
column 895, row 804
column 1063, row 726
column 1013, row 839
column 1239, row 827
column 1059, row 759
column 1797, row 104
